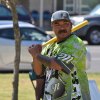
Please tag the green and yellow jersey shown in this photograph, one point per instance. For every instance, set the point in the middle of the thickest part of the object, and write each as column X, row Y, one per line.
column 71, row 53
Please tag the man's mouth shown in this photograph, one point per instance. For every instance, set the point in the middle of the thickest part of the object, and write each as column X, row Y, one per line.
column 62, row 31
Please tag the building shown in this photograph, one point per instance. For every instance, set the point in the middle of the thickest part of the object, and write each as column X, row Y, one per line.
column 72, row 6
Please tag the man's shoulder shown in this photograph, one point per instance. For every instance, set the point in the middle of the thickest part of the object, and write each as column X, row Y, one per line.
column 73, row 39
column 74, row 43
column 77, row 40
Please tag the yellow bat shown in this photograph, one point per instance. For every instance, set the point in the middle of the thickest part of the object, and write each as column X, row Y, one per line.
column 75, row 28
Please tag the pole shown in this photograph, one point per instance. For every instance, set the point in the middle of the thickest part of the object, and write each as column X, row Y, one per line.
column 80, row 6
column 64, row 4
column 41, row 13
column 55, row 5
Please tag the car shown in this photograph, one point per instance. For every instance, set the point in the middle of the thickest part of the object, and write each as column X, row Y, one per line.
column 23, row 14
column 30, row 34
column 90, row 32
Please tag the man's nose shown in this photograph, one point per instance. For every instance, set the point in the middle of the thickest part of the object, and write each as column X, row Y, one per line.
column 61, row 27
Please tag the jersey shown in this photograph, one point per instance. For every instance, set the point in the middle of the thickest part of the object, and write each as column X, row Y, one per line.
column 58, row 84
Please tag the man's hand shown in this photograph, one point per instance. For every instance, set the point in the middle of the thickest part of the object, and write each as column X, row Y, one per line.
column 34, row 50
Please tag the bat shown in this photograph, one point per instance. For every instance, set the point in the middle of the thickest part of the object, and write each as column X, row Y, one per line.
column 75, row 28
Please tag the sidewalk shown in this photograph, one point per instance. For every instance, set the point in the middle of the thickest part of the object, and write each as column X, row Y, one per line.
column 24, row 67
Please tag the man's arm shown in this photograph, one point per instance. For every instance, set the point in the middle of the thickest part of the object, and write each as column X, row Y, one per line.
column 38, row 60
column 37, row 66
column 55, row 63
column 51, row 62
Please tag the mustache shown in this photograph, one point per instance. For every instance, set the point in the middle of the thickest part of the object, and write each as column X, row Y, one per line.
column 62, row 31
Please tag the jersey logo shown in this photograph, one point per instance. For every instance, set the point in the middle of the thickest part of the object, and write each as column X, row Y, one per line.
column 65, row 57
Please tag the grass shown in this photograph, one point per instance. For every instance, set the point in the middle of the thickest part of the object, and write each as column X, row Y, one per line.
column 26, row 91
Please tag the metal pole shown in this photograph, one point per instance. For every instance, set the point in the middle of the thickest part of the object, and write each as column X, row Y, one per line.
column 77, row 6
column 41, row 13
column 80, row 6
column 74, row 6
column 55, row 5
column 64, row 4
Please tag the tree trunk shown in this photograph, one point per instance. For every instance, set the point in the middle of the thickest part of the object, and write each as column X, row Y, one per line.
column 17, row 50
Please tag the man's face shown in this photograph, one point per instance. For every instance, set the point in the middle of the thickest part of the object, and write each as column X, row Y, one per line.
column 62, row 29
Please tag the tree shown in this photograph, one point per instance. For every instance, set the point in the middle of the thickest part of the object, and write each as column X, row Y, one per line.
column 17, row 49
column 11, row 4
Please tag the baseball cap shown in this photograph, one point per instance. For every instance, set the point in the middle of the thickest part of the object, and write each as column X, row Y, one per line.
column 59, row 15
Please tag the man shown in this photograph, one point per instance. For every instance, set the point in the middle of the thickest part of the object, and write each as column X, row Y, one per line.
column 63, row 63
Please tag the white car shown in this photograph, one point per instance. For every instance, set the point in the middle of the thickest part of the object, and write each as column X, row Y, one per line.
column 30, row 34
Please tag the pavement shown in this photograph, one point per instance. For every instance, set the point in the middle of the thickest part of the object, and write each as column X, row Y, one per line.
column 23, row 68
column 26, row 67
